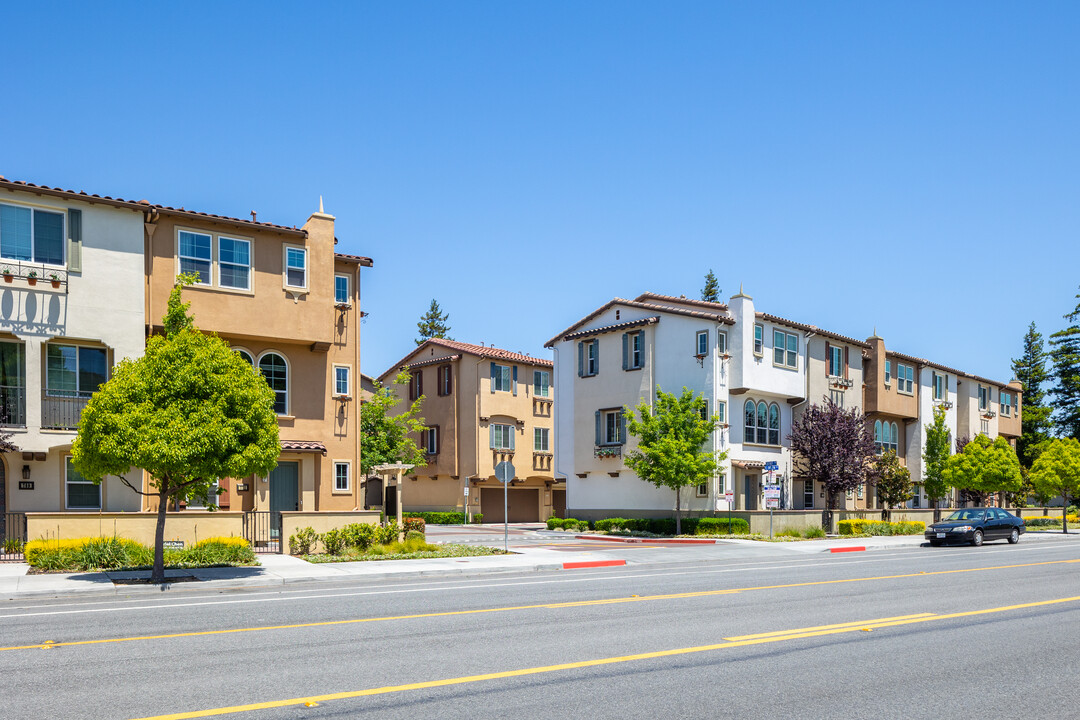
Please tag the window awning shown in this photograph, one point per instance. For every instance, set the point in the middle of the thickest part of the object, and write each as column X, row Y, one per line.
column 303, row 446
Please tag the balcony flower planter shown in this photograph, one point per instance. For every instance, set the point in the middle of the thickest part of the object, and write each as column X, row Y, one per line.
column 8, row 277
column 32, row 279
column 55, row 280
column 608, row 452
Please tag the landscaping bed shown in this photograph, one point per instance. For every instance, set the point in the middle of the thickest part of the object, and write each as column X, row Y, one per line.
column 113, row 553
column 360, row 542
column 660, row 528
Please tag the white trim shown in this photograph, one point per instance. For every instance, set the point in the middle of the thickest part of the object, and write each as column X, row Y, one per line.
column 348, row 380
column 334, row 489
column 63, row 233
column 218, row 261
column 209, row 261
column 67, row 506
column 288, row 378
column 285, row 247
column 759, row 352
column 240, row 348
column 699, row 351
column 348, row 289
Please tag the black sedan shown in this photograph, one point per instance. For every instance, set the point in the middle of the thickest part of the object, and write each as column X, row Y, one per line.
column 975, row 525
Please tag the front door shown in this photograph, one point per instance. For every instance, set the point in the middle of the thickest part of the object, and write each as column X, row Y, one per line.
column 285, row 487
column 751, row 494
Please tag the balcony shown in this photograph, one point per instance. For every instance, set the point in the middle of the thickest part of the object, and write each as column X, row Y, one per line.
column 12, row 406
column 62, row 409
column 608, row 451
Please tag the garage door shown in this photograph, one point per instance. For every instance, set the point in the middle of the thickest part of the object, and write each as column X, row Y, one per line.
column 558, row 503
column 523, row 504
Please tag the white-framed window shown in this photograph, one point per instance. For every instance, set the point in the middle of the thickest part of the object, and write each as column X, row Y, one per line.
column 341, row 289
column 984, row 427
column 721, row 411
column 246, row 355
column 74, row 371
column 611, row 427
column 502, row 436
column 702, row 490
column 785, row 349
column 761, row 423
column 633, row 350
column 940, row 388
column 759, row 339
column 341, row 381
column 234, row 263
column 541, row 383
column 836, row 361
column 701, row 343
column 430, row 441
column 721, row 342
column 588, row 358
column 888, row 373
column 295, row 266
column 12, row 383
column 342, row 476
column 502, row 377
column 81, row 493
column 1006, row 404
column 984, row 397
column 837, row 397
column 276, row 371
column 445, row 378
column 541, row 439
column 195, row 251
column 32, row 234
column 905, row 379
column 886, row 436
column 808, row 494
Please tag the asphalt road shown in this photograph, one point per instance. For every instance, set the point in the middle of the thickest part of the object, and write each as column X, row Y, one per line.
column 913, row 633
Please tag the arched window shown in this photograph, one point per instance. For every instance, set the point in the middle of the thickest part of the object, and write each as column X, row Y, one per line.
column 774, row 424
column 276, row 372
column 246, row 355
column 878, row 439
column 751, row 421
column 762, row 422
column 894, row 440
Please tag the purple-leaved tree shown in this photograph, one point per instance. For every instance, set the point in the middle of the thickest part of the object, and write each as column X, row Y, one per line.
column 832, row 446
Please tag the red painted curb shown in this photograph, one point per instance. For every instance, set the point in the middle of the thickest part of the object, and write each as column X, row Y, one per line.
column 847, row 549
column 592, row 564
column 651, row 541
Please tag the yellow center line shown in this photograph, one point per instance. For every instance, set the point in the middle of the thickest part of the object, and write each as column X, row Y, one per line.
column 859, row 623
column 518, row 608
column 752, row 640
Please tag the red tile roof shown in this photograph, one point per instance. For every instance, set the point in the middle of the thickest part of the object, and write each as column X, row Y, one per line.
column 303, row 446
column 479, row 350
column 811, row 328
column 647, row 296
column 713, row 316
column 358, row 259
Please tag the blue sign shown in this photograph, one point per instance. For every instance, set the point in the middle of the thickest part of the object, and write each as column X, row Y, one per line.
column 772, row 465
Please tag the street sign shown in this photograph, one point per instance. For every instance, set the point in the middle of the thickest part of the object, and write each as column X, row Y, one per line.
column 466, row 491
column 729, row 497
column 772, row 492
column 771, row 465
column 772, row 504
column 504, row 471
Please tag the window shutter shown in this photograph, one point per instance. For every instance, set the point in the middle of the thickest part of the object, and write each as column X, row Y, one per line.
column 435, row 437
column 513, row 433
column 419, row 383
column 423, row 439
column 598, row 435
column 74, row 218
column 622, row 429
column 828, row 359
column 513, row 384
column 491, row 433
column 493, row 379
column 625, row 351
column 581, row 359
column 846, row 360
column 596, row 356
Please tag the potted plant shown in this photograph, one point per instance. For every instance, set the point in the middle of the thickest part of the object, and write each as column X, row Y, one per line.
column 55, row 279
column 8, row 275
column 31, row 277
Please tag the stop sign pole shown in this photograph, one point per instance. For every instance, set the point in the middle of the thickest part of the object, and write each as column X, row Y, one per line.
column 504, row 472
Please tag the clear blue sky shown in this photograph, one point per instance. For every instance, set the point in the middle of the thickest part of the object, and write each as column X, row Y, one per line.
column 910, row 166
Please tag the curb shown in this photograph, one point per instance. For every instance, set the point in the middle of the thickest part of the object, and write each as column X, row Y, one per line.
column 858, row 548
column 651, row 541
column 592, row 564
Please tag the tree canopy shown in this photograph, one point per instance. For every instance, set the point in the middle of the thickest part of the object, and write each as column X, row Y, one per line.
column 433, row 324
column 984, row 467
column 1035, row 423
column 672, row 436
column 1057, row 472
column 1065, row 353
column 711, row 291
column 384, row 436
column 832, row 446
column 935, row 455
column 893, row 481
column 189, row 412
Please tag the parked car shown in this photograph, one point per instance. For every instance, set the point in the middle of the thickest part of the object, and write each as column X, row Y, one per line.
column 976, row 525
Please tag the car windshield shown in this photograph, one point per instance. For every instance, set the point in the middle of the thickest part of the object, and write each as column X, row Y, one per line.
column 966, row 515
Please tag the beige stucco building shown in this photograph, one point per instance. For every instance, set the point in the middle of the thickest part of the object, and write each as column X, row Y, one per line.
column 482, row 406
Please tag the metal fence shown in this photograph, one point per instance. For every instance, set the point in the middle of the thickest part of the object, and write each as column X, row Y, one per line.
column 63, row 412
column 12, row 405
column 12, row 537
column 262, row 528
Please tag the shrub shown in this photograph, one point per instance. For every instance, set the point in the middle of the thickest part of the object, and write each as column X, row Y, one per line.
column 388, row 533
column 719, row 526
column 437, row 518
column 12, row 545
column 415, row 535
column 815, row 532
column 86, row 553
column 215, row 551
column 789, row 532
column 571, row 524
column 857, row 526
column 413, row 524
column 477, row 518
column 333, row 541
column 301, row 542
column 359, row 535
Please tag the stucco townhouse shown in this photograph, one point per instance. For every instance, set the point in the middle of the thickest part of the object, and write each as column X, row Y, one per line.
column 482, row 405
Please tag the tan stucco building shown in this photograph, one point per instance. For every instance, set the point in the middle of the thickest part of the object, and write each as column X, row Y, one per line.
column 482, row 406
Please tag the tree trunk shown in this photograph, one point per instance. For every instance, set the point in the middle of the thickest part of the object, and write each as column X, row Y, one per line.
column 885, row 513
column 158, row 573
column 1064, row 513
column 678, row 511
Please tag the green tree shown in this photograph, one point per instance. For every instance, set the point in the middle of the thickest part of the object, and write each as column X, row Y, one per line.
column 384, row 436
column 984, row 467
column 671, row 439
column 189, row 413
column 711, row 291
column 1057, row 472
column 893, row 482
column 1065, row 353
column 935, row 455
column 433, row 324
column 1035, row 423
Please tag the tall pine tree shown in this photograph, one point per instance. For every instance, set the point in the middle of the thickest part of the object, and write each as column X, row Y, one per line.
column 711, row 291
column 1065, row 352
column 433, row 324
column 1030, row 370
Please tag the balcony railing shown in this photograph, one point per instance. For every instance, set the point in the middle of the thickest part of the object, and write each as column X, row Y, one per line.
column 12, row 405
column 607, row 451
column 62, row 411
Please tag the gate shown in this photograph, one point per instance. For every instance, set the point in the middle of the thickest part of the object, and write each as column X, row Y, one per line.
column 12, row 537
column 262, row 528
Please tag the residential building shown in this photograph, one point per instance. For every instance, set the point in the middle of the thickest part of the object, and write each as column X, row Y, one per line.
column 71, row 307
column 482, row 406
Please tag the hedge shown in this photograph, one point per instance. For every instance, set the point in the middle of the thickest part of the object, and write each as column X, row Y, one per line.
column 857, row 526
column 442, row 518
column 554, row 523
column 666, row 526
column 109, row 553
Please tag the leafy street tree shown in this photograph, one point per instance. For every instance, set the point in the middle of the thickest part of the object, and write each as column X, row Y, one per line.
column 711, row 291
column 984, row 467
column 384, row 436
column 835, row 447
column 189, row 413
column 1035, row 423
column 433, row 324
column 671, row 437
column 1065, row 353
column 893, row 482
column 935, row 455
column 1057, row 472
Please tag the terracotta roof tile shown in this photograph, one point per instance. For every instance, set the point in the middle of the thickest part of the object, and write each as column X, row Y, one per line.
column 303, row 446
column 478, row 350
column 811, row 328
column 613, row 328
column 358, row 259
column 715, row 317
column 647, row 296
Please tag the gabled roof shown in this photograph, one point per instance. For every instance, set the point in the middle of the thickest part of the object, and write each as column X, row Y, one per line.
column 945, row 368
column 357, row 259
column 482, row 351
column 653, row 306
column 810, row 328
column 649, row 297
column 613, row 328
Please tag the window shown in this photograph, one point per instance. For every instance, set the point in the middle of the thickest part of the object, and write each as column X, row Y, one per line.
column 785, row 349
column 721, row 411
column 74, row 371
column 905, row 378
column 877, row 436
column 762, row 423
column 984, row 397
column 501, row 377
column 341, row 380
column 194, row 253
column 702, row 490
column 429, row 440
column 234, row 263
column 633, row 344
column 31, row 234
column 295, row 267
column 1006, row 404
column 12, row 383
column 886, row 436
column 759, row 342
column 541, row 437
column 588, row 358
column 341, row 290
column 445, row 380
column 808, row 494
column 541, row 383
column 81, row 493
column 721, row 342
column 940, row 388
column 888, row 373
column 276, row 372
column 702, row 343
column 984, row 427
column 502, row 437
column 610, row 427
column 837, row 397
column 836, row 361
column 416, row 384
column 342, row 471
column 246, row 355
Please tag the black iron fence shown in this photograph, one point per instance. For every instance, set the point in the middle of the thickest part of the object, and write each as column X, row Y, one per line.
column 262, row 528
column 12, row 536
column 12, row 405
column 62, row 412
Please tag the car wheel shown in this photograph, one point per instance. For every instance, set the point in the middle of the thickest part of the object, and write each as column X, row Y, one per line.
column 1014, row 537
column 977, row 538
column 935, row 543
